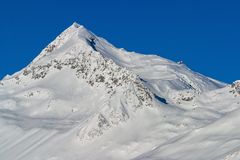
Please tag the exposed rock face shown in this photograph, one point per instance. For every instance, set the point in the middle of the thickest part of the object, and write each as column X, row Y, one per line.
column 235, row 87
column 98, row 72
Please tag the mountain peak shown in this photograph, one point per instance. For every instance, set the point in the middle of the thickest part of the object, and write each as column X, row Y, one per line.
column 81, row 31
column 76, row 25
column 74, row 35
column 83, row 95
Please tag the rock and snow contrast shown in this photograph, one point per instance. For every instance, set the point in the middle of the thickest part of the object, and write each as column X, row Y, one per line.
column 84, row 99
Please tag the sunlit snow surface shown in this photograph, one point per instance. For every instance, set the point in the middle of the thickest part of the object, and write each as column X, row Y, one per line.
column 82, row 98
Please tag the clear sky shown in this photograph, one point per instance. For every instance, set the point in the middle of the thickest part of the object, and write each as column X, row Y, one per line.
column 205, row 34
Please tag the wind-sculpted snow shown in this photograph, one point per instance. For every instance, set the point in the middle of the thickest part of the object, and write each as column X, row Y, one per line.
column 124, row 90
column 83, row 98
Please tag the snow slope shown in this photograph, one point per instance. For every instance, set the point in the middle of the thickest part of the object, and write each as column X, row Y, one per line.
column 83, row 98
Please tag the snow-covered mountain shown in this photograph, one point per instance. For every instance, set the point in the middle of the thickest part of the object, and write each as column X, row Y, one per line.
column 83, row 98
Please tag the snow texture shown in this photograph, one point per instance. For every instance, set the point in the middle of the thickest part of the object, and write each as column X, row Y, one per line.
column 83, row 98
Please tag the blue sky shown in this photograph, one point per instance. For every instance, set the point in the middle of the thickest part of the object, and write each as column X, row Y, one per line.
column 204, row 34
